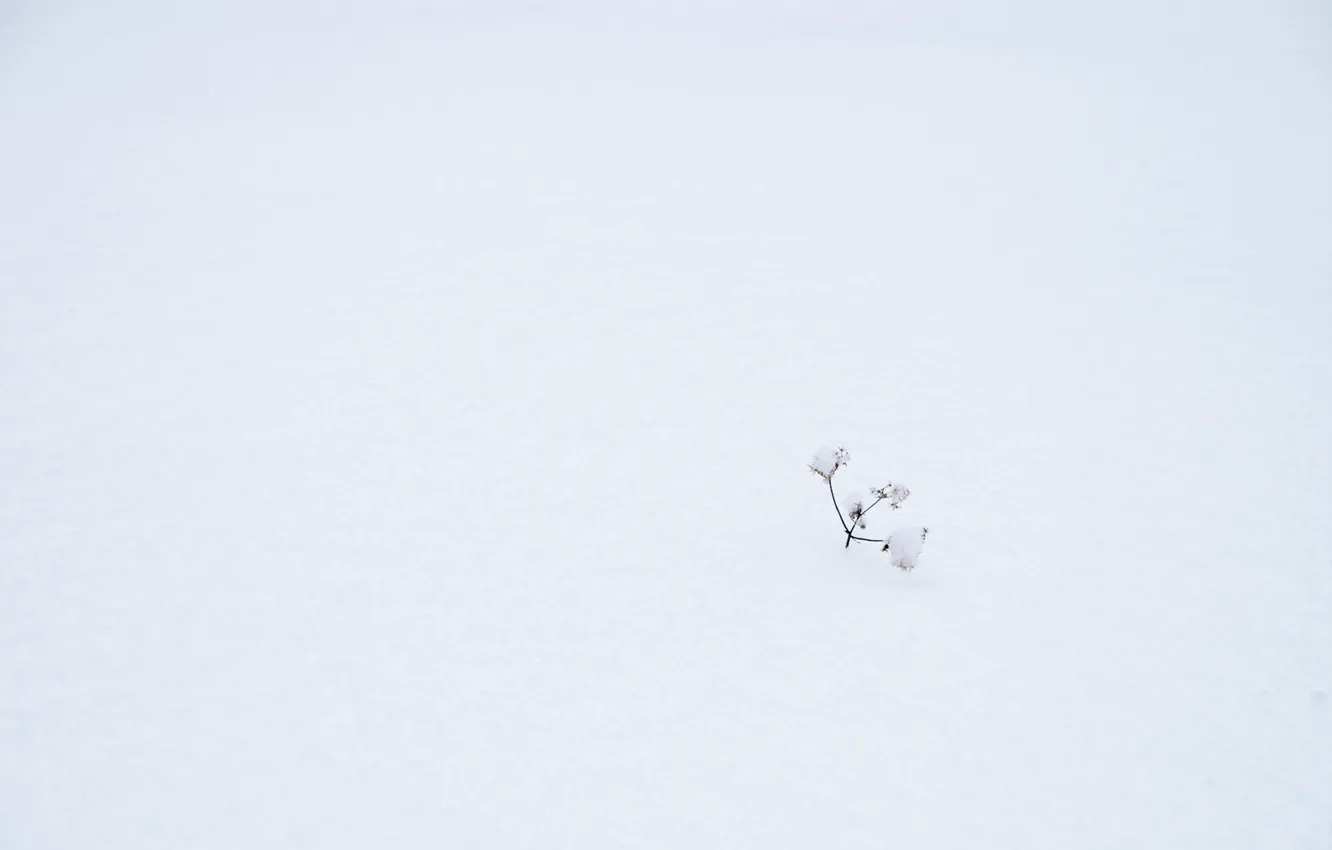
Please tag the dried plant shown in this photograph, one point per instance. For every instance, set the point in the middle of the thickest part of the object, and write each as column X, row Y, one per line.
column 903, row 545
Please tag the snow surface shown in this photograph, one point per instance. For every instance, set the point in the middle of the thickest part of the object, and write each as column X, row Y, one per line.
column 375, row 381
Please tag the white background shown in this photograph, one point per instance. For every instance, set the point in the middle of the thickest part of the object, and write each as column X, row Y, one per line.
column 404, row 410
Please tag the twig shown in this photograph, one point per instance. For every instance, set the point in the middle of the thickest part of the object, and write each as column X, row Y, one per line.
column 837, row 508
column 850, row 532
column 871, row 507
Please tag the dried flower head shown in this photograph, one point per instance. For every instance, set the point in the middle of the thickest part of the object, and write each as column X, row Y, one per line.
column 856, row 511
column 826, row 462
column 904, row 546
column 893, row 494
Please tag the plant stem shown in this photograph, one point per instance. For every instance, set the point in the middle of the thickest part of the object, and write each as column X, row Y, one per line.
column 850, row 532
column 838, row 508
column 871, row 507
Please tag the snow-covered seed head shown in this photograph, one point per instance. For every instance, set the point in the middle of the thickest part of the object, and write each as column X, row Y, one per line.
column 904, row 546
column 826, row 462
column 893, row 494
column 855, row 507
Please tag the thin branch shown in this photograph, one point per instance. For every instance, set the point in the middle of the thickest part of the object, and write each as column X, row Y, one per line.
column 850, row 534
column 836, row 506
column 871, row 507
column 840, row 518
column 855, row 523
column 867, row 539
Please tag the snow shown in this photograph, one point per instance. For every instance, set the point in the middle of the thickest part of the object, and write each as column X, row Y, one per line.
column 904, row 546
column 375, row 381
